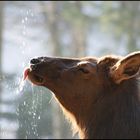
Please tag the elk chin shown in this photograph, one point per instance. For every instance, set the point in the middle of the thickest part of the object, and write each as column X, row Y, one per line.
column 36, row 79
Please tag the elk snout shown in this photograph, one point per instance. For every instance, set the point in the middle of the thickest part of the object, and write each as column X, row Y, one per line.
column 35, row 61
column 39, row 60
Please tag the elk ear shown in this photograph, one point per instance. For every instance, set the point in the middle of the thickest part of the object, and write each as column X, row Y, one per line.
column 126, row 68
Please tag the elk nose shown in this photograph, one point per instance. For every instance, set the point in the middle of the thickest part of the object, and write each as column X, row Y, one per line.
column 34, row 61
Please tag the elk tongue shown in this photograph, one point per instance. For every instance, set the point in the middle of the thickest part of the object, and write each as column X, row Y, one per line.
column 25, row 74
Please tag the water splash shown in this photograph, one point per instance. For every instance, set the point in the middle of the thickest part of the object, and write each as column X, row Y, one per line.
column 34, row 109
column 20, row 86
column 28, row 106
column 38, row 117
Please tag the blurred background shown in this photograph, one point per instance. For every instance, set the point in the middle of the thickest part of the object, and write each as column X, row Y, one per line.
column 49, row 28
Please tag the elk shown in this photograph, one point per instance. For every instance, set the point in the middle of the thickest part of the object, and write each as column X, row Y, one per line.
column 100, row 96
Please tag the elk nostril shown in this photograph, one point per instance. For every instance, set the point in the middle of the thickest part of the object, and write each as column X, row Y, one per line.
column 35, row 61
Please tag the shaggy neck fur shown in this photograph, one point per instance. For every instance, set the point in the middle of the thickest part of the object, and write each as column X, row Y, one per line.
column 116, row 114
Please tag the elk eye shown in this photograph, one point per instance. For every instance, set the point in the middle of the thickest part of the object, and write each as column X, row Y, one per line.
column 83, row 70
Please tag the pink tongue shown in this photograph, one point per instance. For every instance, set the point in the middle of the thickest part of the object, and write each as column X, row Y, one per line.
column 25, row 74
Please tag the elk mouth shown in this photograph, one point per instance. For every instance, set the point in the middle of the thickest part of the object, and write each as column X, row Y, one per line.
column 37, row 78
column 34, row 77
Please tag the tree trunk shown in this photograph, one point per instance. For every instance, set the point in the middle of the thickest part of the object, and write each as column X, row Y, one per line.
column 78, row 42
column 132, row 26
column 79, row 34
column 53, row 19
column 1, row 27
column 132, row 33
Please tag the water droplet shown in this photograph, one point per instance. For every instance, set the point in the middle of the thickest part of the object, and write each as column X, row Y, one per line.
column 33, row 101
column 24, row 103
column 26, row 18
column 23, row 21
column 39, row 117
column 21, row 86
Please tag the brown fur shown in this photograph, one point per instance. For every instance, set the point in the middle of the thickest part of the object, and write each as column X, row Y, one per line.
column 98, row 106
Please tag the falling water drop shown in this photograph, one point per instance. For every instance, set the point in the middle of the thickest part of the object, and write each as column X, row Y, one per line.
column 20, row 87
column 22, row 83
column 26, row 18
column 23, row 21
column 24, row 103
